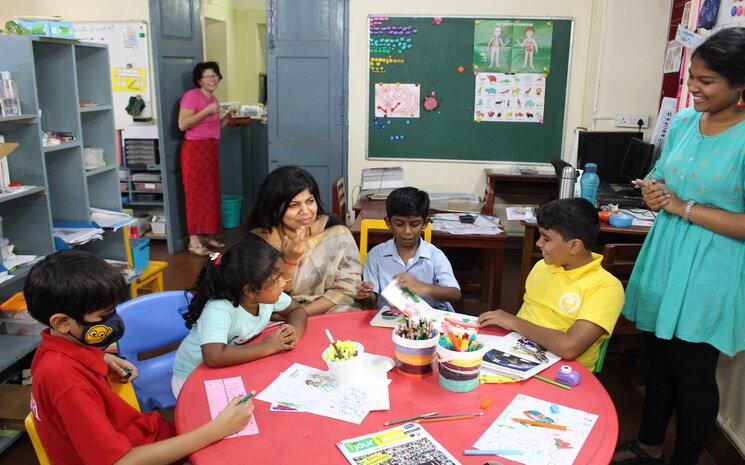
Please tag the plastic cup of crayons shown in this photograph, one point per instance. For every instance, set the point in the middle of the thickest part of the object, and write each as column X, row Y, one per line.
column 459, row 369
column 415, row 348
column 348, row 365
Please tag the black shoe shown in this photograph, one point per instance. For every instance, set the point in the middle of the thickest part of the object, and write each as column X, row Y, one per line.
column 641, row 456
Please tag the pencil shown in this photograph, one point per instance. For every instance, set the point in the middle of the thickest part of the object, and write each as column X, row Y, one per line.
column 538, row 423
column 477, row 414
column 550, row 381
column 246, row 397
column 415, row 417
column 432, row 420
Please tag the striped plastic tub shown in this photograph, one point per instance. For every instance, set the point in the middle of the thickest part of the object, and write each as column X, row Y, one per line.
column 414, row 358
column 459, row 371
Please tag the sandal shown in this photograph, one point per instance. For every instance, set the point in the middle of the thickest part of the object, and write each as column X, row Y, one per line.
column 215, row 243
column 199, row 250
column 641, row 456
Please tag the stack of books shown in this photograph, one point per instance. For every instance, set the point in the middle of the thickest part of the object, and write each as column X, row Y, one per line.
column 381, row 181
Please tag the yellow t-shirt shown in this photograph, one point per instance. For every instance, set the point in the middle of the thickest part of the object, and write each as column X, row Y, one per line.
column 555, row 298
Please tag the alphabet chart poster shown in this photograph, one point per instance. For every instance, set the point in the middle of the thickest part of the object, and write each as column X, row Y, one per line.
column 538, row 445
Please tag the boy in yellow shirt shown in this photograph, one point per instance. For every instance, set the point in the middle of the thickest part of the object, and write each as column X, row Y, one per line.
column 571, row 303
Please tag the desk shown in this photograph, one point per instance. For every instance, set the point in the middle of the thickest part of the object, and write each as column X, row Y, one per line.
column 306, row 438
column 492, row 248
column 608, row 234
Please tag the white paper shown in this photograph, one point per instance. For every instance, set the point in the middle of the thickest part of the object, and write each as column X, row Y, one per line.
column 539, row 445
column 450, row 223
column 509, row 97
column 78, row 235
column 18, row 260
column 409, row 443
column 665, row 116
column 396, row 100
column 520, row 213
column 505, row 356
column 220, row 392
column 110, row 219
column 316, row 391
column 673, row 56
column 688, row 39
column 385, row 318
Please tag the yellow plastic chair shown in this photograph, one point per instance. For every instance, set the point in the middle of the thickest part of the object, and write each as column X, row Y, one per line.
column 151, row 279
column 368, row 224
column 123, row 390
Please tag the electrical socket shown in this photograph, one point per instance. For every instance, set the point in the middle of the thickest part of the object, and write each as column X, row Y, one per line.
column 630, row 120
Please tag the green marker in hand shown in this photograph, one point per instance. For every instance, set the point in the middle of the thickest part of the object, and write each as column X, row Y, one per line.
column 245, row 398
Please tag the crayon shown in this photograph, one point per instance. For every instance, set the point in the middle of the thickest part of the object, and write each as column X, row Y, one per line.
column 539, row 423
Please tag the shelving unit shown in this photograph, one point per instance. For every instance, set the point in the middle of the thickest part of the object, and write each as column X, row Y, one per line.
column 53, row 76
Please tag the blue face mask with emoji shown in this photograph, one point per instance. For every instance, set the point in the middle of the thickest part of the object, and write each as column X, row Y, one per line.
column 102, row 333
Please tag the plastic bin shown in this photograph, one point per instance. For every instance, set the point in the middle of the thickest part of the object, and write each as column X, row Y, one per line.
column 230, row 208
column 140, row 253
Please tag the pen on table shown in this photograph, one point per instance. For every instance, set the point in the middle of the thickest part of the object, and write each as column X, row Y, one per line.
column 550, row 381
column 541, row 424
column 246, row 397
column 415, row 417
column 492, row 452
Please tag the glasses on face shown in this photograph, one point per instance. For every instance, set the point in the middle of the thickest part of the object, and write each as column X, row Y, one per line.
column 211, row 77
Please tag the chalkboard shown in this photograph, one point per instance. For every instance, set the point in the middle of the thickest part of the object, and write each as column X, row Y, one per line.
column 440, row 55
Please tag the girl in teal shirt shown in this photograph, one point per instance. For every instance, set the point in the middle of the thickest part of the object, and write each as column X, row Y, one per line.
column 687, row 290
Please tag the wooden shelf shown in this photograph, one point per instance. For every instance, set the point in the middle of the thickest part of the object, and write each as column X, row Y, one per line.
column 16, row 195
column 62, row 146
column 95, row 108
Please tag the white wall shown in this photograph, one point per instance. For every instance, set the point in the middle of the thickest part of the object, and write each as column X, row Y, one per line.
column 616, row 67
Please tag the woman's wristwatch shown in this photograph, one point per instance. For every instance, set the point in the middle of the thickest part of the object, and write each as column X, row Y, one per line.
column 687, row 211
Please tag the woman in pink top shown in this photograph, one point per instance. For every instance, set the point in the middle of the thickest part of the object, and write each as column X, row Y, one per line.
column 199, row 117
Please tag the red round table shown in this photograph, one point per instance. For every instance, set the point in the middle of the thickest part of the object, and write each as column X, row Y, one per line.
column 296, row 437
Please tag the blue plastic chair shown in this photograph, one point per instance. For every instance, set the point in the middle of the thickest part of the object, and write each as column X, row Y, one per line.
column 153, row 322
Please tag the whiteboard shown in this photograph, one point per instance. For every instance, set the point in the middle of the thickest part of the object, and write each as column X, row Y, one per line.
column 129, row 62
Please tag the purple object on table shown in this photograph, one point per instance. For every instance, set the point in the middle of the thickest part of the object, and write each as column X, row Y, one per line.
column 568, row 376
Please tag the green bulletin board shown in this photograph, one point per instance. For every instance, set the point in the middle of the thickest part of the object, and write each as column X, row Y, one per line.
column 467, row 88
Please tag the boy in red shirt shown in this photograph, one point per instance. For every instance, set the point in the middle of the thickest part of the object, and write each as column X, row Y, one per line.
column 79, row 418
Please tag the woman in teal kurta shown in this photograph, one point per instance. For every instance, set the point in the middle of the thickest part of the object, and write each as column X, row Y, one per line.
column 687, row 290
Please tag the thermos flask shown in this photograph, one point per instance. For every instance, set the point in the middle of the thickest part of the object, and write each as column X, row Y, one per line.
column 566, row 183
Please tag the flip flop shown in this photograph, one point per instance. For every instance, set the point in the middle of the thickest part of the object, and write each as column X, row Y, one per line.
column 215, row 244
column 641, row 456
column 199, row 250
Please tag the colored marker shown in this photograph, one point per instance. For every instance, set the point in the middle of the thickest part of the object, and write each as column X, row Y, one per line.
column 550, row 381
column 127, row 372
column 246, row 397
column 538, row 423
column 449, row 415
column 415, row 417
column 493, row 452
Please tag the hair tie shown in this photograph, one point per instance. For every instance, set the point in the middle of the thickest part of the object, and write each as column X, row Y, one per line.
column 216, row 258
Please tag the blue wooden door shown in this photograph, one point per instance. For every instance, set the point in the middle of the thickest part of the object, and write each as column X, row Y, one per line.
column 306, row 86
column 177, row 47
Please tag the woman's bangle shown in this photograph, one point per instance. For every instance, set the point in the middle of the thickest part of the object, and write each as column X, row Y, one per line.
column 289, row 263
column 687, row 211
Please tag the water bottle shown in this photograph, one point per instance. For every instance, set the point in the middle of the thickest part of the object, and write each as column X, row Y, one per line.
column 590, row 182
column 9, row 102
column 566, row 183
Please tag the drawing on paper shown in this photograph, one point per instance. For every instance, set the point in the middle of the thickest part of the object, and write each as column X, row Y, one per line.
column 539, row 446
column 397, row 100
column 220, row 392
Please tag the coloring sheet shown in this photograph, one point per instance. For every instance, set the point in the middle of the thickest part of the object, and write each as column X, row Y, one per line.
column 396, row 100
column 316, row 391
column 390, row 318
column 509, row 97
column 219, row 394
column 539, row 445
column 515, row 356
column 408, row 444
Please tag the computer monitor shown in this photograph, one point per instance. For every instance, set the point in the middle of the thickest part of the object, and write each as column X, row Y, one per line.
column 607, row 149
column 638, row 160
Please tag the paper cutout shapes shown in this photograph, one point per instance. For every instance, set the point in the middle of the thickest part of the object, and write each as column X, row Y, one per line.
column 430, row 102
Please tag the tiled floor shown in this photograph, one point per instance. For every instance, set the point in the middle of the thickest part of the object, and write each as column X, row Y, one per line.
column 184, row 267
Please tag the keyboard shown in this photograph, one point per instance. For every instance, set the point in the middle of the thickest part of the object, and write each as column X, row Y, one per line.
column 623, row 195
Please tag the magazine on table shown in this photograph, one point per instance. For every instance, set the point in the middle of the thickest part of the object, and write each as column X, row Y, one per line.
column 515, row 356
column 407, row 444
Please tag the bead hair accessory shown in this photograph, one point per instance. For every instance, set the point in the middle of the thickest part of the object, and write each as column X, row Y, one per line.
column 216, row 258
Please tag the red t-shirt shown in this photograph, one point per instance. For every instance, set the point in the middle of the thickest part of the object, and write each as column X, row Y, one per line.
column 79, row 418
column 209, row 127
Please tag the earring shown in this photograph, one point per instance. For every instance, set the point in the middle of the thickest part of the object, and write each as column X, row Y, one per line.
column 740, row 102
